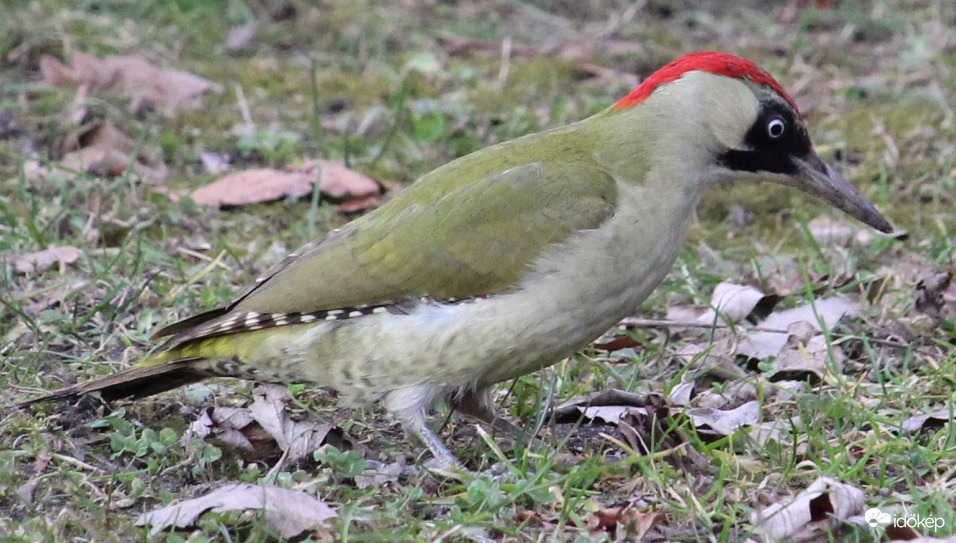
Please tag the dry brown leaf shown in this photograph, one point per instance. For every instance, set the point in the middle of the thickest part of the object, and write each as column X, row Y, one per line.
column 287, row 512
column 237, row 417
column 928, row 294
column 608, row 414
column 929, row 421
column 724, row 423
column 605, row 519
column 56, row 73
column 786, row 390
column 736, row 393
column 264, row 429
column 111, row 163
column 645, row 430
column 234, row 428
column 732, row 302
column 800, row 333
column 639, row 418
column 214, row 163
column 714, row 358
column 683, row 314
column 377, row 473
column 239, row 36
column 640, row 523
column 760, row 345
column 77, row 110
column 45, row 259
column 681, row 394
column 613, row 341
column 778, row 431
column 151, row 86
column 815, row 513
column 100, row 134
column 807, row 360
column 339, row 182
column 624, row 523
column 252, row 187
column 263, row 185
column 530, row 517
column 102, row 149
column 355, row 205
column 96, row 160
column 571, row 410
column 296, row 438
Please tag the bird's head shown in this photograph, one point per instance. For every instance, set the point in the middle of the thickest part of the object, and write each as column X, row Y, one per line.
column 727, row 117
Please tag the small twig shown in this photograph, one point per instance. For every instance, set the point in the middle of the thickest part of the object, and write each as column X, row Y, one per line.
column 179, row 465
column 447, row 534
column 76, row 462
column 505, row 61
column 280, row 464
column 203, row 257
column 244, row 107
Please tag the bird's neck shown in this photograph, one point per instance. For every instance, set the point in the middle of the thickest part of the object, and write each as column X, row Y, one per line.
column 673, row 138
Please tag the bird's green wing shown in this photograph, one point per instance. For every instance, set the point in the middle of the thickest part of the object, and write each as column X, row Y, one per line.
column 475, row 237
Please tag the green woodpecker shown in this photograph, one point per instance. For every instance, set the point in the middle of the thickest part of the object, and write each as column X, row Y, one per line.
column 504, row 261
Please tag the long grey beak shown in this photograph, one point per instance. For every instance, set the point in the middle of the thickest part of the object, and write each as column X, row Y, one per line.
column 822, row 181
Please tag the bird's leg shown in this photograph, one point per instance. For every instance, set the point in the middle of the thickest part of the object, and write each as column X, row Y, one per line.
column 445, row 458
column 478, row 404
column 411, row 414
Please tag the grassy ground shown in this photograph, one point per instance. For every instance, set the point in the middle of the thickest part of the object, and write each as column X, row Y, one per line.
column 395, row 95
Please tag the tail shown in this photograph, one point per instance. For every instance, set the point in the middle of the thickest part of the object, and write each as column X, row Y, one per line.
column 179, row 364
column 159, row 374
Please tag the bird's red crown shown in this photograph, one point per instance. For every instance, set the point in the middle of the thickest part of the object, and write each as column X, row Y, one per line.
column 716, row 63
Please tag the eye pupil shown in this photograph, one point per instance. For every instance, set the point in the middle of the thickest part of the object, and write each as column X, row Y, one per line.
column 776, row 127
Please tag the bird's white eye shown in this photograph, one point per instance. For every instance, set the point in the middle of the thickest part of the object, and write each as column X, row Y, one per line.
column 776, row 127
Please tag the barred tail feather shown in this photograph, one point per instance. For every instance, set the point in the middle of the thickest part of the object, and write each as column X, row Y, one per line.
column 169, row 369
column 150, row 377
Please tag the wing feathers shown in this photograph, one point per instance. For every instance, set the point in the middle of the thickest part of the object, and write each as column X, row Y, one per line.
column 475, row 238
